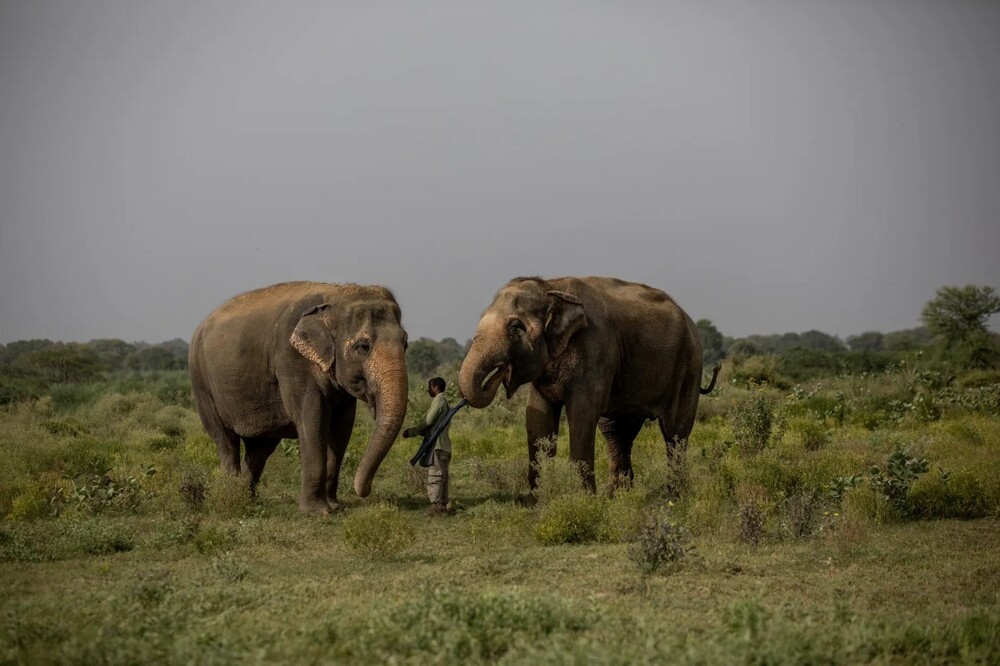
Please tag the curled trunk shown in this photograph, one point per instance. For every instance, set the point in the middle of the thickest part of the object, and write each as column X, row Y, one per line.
column 483, row 358
column 386, row 375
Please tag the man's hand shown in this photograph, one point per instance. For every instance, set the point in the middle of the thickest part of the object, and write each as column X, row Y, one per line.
column 410, row 432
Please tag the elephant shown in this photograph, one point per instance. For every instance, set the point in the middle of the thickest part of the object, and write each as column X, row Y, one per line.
column 613, row 353
column 291, row 361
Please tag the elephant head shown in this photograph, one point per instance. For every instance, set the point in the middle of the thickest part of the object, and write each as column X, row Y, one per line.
column 362, row 347
column 526, row 327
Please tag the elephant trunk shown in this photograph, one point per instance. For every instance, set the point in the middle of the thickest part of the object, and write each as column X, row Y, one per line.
column 387, row 381
column 474, row 380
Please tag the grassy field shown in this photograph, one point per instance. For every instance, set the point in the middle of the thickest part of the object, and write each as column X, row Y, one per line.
column 851, row 520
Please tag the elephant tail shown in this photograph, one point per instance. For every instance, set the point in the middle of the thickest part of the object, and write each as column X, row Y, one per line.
column 711, row 385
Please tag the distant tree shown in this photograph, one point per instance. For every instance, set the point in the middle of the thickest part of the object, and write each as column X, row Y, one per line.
column 422, row 357
column 744, row 347
column 867, row 341
column 450, row 351
column 154, row 358
column 958, row 316
column 911, row 339
column 14, row 350
column 63, row 362
column 711, row 342
column 111, row 352
column 819, row 340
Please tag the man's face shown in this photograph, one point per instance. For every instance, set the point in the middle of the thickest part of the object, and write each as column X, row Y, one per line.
column 432, row 390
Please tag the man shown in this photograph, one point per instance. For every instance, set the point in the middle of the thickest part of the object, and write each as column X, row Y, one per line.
column 437, row 473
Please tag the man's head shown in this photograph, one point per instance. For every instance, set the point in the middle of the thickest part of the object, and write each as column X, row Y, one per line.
column 435, row 386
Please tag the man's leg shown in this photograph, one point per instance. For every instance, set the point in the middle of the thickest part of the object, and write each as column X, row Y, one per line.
column 437, row 478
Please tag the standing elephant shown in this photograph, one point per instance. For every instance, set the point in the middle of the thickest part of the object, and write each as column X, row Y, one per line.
column 291, row 361
column 613, row 353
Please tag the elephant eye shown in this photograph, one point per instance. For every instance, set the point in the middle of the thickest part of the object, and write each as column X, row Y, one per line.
column 362, row 346
column 515, row 327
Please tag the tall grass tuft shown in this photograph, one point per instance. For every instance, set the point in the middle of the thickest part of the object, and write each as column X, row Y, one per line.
column 377, row 532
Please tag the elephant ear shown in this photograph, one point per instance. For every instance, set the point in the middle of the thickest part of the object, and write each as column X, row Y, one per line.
column 313, row 338
column 565, row 316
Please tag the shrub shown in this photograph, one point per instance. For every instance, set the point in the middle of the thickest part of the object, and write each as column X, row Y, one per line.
column 377, row 532
column 192, row 490
column 576, row 518
column 31, row 503
column 756, row 370
column 751, row 422
column 661, row 543
column 96, row 490
column 754, row 504
column 979, row 378
column 212, row 539
column 228, row 495
column 861, row 504
column 229, row 568
column 800, row 512
column 169, row 420
column 895, row 479
column 814, row 435
column 948, row 495
column 557, row 477
column 624, row 515
column 505, row 478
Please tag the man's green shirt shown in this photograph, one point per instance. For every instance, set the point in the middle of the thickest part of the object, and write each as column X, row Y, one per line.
column 438, row 410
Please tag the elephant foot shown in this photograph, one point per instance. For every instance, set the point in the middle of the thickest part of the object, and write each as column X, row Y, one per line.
column 334, row 505
column 315, row 505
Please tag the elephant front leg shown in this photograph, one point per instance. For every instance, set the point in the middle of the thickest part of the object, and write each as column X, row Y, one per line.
column 542, row 424
column 582, row 417
column 314, row 439
column 340, row 436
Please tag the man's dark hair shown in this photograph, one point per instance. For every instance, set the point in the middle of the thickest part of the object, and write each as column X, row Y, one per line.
column 438, row 382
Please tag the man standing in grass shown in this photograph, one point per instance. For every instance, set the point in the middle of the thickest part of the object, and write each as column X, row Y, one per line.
column 437, row 473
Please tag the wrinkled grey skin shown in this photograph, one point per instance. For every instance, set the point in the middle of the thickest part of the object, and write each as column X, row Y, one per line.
column 612, row 353
column 291, row 361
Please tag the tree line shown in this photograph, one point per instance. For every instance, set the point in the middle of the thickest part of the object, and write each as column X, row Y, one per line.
column 955, row 332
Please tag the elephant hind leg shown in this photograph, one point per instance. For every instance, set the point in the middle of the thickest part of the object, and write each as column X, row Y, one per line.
column 257, row 451
column 677, row 421
column 227, row 442
column 620, row 431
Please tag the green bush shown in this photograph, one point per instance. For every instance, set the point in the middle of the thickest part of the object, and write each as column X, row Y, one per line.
column 661, row 544
column 625, row 514
column 757, row 370
column 751, row 421
column 377, row 532
column 576, row 518
column 979, row 378
column 557, row 477
column 213, row 539
column 229, row 568
column 864, row 505
column 958, row 494
column 894, row 479
column 813, row 434
column 228, row 495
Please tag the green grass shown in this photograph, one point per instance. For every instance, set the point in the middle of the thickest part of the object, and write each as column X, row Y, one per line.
column 178, row 565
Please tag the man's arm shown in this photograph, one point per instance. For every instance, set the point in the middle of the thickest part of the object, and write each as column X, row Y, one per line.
column 438, row 407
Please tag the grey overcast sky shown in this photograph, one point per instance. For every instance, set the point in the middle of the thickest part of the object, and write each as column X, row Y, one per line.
column 775, row 166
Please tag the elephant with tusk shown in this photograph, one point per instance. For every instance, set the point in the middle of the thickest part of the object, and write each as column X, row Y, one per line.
column 612, row 353
column 291, row 361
